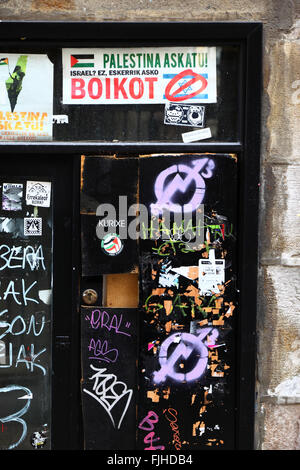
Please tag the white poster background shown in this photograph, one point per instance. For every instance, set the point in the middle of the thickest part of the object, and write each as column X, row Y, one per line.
column 36, row 96
column 122, row 74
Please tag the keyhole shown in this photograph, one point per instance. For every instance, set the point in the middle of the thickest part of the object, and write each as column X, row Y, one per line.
column 90, row 296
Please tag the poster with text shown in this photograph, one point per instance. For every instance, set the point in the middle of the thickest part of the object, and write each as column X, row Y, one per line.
column 26, row 97
column 139, row 75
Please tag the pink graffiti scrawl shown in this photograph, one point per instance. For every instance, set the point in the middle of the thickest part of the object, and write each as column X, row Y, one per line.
column 165, row 192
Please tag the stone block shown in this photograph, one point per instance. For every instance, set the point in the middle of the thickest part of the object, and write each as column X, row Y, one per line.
column 279, row 238
column 283, row 90
column 281, row 427
column 279, row 334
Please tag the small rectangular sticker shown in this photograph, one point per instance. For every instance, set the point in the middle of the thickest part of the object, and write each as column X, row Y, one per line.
column 177, row 114
column 32, row 226
column 211, row 274
column 60, row 119
column 38, row 193
column 12, row 194
column 199, row 134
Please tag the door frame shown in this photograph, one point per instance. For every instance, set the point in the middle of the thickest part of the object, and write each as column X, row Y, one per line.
column 249, row 36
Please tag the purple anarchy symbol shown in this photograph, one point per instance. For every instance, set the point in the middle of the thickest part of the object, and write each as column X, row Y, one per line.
column 187, row 344
column 165, row 192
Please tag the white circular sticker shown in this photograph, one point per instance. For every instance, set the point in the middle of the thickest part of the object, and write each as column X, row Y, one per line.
column 112, row 244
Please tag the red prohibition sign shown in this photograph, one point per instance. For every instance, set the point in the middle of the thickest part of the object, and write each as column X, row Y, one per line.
column 197, row 78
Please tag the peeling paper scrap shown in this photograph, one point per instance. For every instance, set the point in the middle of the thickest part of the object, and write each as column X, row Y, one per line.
column 45, row 296
column 288, row 388
column 60, row 119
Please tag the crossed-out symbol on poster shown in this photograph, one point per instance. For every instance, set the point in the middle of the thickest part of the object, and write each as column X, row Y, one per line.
column 165, row 190
column 187, row 344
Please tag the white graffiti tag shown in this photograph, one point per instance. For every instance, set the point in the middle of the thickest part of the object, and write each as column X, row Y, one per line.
column 186, row 344
column 165, row 188
column 108, row 391
column 16, row 417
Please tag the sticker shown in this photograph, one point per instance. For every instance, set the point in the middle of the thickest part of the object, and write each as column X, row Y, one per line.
column 211, row 274
column 199, row 134
column 112, row 244
column 60, row 119
column 38, row 439
column 26, row 97
column 12, row 194
column 38, row 193
column 139, row 75
column 12, row 225
column 45, row 296
column 2, row 352
column 178, row 114
column 33, row 226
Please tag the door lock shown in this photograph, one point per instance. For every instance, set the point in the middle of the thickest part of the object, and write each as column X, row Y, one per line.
column 90, row 296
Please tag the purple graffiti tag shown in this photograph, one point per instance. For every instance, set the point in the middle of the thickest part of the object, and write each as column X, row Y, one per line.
column 165, row 190
column 101, row 352
column 102, row 319
column 187, row 343
column 147, row 424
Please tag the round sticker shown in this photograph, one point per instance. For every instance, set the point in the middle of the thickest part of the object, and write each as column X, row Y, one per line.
column 112, row 244
column 195, row 115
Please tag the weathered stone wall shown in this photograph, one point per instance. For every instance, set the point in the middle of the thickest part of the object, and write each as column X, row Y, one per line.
column 278, row 361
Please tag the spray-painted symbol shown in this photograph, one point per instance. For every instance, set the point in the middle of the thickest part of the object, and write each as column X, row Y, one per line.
column 166, row 189
column 186, row 345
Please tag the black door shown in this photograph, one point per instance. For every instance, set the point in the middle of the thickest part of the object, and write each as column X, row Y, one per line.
column 39, row 353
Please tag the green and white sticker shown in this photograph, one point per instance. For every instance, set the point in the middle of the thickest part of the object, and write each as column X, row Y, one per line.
column 111, row 244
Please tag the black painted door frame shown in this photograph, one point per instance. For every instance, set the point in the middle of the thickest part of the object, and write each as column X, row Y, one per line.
column 66, row 411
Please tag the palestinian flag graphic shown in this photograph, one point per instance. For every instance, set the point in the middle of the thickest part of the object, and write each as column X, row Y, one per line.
column 111, row 244
column 82, row 60
column 14, row 82
column 4, row 61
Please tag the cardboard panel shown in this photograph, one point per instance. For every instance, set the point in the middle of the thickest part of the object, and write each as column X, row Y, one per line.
column 121, row 290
